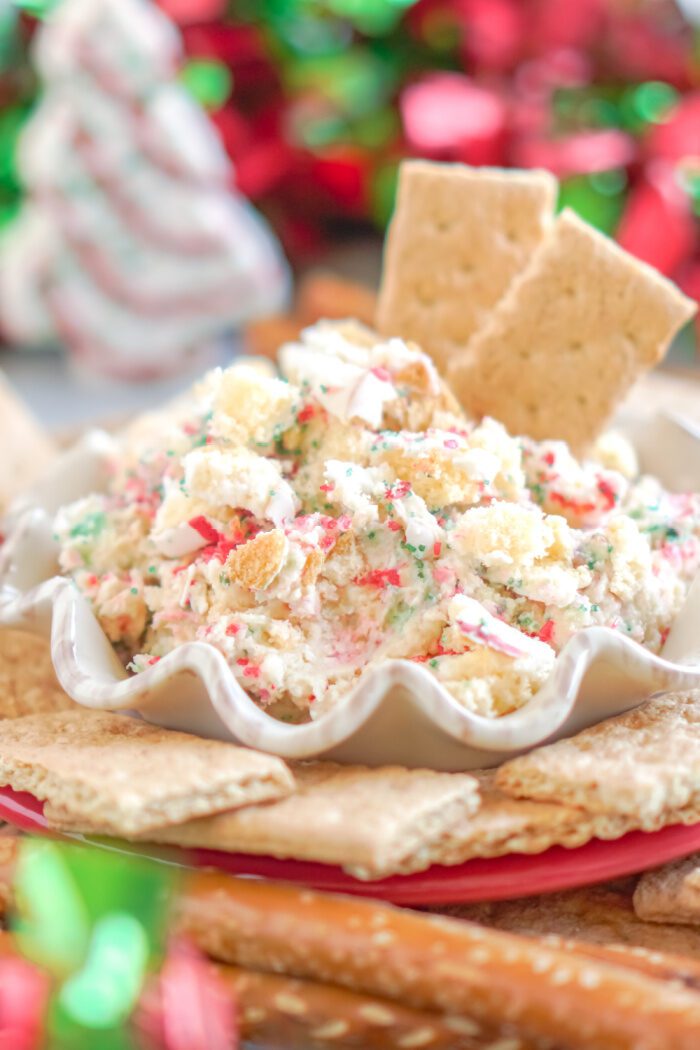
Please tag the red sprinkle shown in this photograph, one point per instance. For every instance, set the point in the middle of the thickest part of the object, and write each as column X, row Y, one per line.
column 437, row 548
column 571, row 504
column 546, row 632
column 549, row 459
column 394, row 526
column 451, row 443
column 153, row 660
column 439, row 651
column 608, row 493
column 398, row 491
column 233, row 628
column 380, row 578
column 328, row 487
column 308, row 412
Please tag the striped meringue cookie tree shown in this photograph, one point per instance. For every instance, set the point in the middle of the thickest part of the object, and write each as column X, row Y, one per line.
column 133, row 247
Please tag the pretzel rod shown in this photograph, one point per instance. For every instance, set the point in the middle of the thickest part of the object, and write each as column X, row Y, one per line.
column 297, row 1014
column 439, row 964
column 274, row 1010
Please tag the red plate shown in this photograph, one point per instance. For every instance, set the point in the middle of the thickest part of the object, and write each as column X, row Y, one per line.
column 517, row 875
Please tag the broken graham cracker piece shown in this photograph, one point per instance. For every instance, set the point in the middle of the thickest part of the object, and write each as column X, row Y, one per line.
column 397, row 840
column 458, row 237
column 575, row 330
column 28, row 682
column 258, row 562
column 117, row 775
column 671, row 893
column 643, row 765
column 372, row 822
column 603, row 916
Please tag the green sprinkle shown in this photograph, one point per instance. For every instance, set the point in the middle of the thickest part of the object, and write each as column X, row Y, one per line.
column 433, row 663
column 371, row 535
column 152, row 568
column 134, row 590
column 91, row 525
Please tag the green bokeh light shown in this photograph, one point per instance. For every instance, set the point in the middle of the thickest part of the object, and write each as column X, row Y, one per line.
column 208, row 81
column 654, row 100
column 37, row 8
column 52, row 927
column 104, row 992
column 595, row 198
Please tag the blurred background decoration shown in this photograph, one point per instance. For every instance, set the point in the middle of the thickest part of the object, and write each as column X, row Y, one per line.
column 317, row 101
column 93, row 965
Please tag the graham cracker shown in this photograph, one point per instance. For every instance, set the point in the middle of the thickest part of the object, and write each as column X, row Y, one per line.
column 27, row 449
column 503, row 825
column 397, row 839
column 256, row 563
column 575, row 330
column 602, row 915
column 643, row 765
column 28, row 682
column 117, row 775
column 372, row 822
column 671, row 893
column 458, row 237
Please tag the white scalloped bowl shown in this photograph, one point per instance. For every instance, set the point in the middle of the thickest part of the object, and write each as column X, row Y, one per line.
column 399, row 714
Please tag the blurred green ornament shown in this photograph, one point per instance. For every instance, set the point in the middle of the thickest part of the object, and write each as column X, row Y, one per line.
column 37, row 8
column 597, row 198
column 11, row 123
column 382, row 192
column 654, row 101
column 208, row 81
column 356, row 82
column 644, row 104
column 9, row 37
column 376, row 130
column 104, row 992
column 97, row 920
column 373, row 17
column 52, row 926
